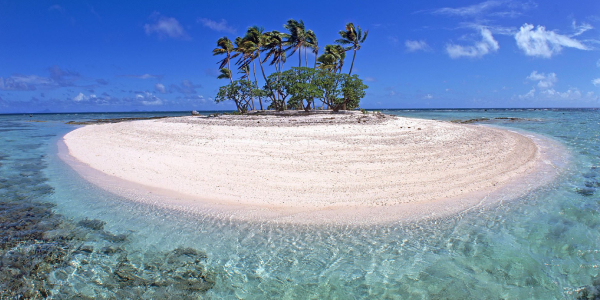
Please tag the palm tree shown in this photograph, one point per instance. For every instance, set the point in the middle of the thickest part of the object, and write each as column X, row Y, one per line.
column 256, row 40
column 245, row 51
column 296, row 37
column 333, row 58
column 311, row 42
column 224, row 47
column 274, row 48
column 354, row 38
column 225, row 73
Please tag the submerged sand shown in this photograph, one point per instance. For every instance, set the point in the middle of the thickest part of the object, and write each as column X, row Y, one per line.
column 304, row 169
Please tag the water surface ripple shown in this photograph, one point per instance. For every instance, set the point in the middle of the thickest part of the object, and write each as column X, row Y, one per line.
column 545, row 245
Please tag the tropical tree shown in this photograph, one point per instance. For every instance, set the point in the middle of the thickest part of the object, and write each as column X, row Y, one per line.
column 256, row 40
column 224, row 73
column 311, row 42
column 332, row 59
column 296, row 38
column 353, row 38
column 274, row 48
column 224, row 47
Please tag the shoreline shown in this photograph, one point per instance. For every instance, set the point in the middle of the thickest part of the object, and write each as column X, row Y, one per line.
column 421, row 202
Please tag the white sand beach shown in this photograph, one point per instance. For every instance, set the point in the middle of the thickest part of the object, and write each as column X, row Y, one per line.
column 305, row 170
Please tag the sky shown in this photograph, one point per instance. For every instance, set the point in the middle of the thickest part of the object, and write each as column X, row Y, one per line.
column 104, row 56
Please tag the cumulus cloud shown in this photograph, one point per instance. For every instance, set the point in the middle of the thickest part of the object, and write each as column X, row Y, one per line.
column 536, row 41
column 148, row 98
column 596, row 82
column 486, row 45
column 546, row 91
column 220, row 26
column 413, row 46
column 160, row 88
column 544, row 81
column 82, row 97
column 165, row 28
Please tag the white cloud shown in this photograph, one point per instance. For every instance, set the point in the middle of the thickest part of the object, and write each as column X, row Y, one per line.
column 544, row 81
column 541, row 43
column 143, row 76
column 149, row 99
column 469, row 11
column 79, row 97
column 160, row 88
column 579, row 30
column 598, row 63
column 428, row 96
column 393, row 40
column 83, row 97
column 490, row 8
column 529, row 95
column 166, row 27
column 546, row 92
column 481, row 48
column 412, row 46
column 220, row 26
column 596, row 82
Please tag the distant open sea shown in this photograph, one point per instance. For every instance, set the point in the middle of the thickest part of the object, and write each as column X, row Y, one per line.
column 61, row 237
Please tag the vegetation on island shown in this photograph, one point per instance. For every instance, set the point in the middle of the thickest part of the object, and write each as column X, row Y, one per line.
column 300, row 87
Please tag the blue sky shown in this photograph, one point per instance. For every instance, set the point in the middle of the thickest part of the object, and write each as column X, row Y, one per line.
column 77, row 56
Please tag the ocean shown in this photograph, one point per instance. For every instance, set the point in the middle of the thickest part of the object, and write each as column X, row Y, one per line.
column 61, row 237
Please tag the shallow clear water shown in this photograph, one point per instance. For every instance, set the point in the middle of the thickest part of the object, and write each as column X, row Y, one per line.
column 545, row 245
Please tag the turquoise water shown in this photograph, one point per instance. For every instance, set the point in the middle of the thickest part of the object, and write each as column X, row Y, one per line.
column 545, row 245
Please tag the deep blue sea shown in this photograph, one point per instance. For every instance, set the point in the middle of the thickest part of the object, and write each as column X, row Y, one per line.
column 63, row 238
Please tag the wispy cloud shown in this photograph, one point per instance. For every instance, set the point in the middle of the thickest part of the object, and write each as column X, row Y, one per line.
column 486, row 45
column 220, row 26
column 541, row 43
column 596, row 82
column 370, row 79
column 580, row 29
column 165, row 27
column 56, row 7
column 469, row 11
column 393, row 40
column 186, row 87
column 413, row 46
column 143, row 76
column 491, row 8
column 58, row 78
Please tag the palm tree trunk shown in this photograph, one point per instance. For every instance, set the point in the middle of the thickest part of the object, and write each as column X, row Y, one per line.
column 305, row 60
column 256, row 83
column 299, row 57
column 229, row 66
column 265, row 77
column 352, row 65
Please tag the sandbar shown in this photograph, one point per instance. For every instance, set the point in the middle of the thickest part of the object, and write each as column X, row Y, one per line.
column 344, row 168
